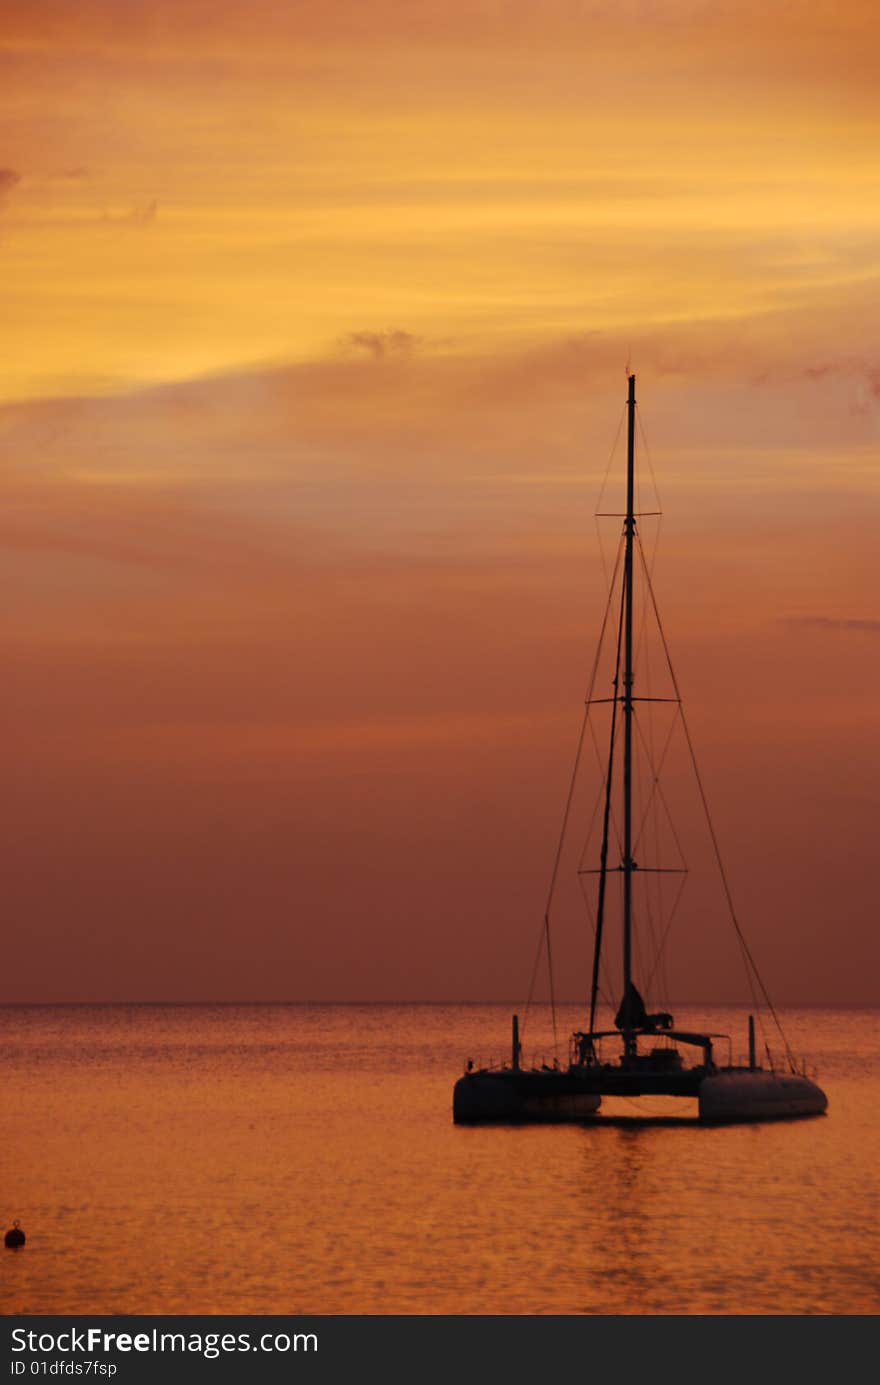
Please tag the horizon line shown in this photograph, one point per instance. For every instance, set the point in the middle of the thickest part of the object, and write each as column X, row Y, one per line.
column 543, row 1004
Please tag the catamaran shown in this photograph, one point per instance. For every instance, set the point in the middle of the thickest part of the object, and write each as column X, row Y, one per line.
column 650, row 1051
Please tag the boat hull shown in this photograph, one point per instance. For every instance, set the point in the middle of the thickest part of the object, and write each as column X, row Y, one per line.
column 758, row 1096
column 508, row 1095
column 544, row 1095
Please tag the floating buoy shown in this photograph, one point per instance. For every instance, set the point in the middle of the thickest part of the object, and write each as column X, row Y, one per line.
column 14, row 1237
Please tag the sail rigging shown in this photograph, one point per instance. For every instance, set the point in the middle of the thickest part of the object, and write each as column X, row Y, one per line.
column 630, row 806
column 631, row 572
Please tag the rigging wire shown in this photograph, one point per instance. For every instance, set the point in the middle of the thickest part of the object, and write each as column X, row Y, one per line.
column 644, row 438
column 604, row 989
column 657, row 788
column 751, row 965
column 615, row 823
column 656, row 545
column 659, row 967
column 552, row 989
column 602, row 493
column 649, row 807
column 649, row 821
column 661, row 950
column 603, row 876
column 566, row 814
column 646, row 892
column 600, row 791
column 658, row 799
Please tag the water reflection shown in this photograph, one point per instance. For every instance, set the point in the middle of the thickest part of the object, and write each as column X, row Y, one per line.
column 163, row 1131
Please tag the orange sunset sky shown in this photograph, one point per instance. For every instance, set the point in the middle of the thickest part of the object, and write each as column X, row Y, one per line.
column 316, row 319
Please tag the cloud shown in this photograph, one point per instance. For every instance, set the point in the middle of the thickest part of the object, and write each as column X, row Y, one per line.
column 383, row 344
column 856, row 367
column 139, row 215
column 8, row 180
column 859, row 370
column 836, row 623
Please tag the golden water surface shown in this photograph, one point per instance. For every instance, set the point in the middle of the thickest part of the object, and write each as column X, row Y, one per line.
column 302, row 1159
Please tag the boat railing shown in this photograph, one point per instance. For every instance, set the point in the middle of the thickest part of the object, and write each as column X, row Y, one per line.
column 784, row 1063
column 586, row 1048
column 542, row 1062
column 805, row 1069
column 536, row 1062
column 545, row 1063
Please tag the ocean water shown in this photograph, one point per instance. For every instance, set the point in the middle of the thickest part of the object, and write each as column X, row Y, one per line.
column 302, row 1159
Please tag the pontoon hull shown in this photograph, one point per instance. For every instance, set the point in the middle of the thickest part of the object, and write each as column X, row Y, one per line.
column 535, row 1096
column 758, row 1096
column 527, row 1096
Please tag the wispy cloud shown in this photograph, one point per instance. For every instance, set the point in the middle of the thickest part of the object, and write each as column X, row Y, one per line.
column 836, row 623
column 8, row 180
column 140, row 215
column 381, row 344
column 856, row 367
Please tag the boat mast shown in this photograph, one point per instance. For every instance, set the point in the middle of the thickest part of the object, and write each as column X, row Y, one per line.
column 627, row 864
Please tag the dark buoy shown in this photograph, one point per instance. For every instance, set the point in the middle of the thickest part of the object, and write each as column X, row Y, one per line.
column 14, row 1237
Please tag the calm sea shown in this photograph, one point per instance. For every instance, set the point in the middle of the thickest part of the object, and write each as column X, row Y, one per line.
column 302, row 1159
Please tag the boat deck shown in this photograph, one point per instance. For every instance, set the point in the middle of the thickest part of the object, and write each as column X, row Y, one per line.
column 610, row 1079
